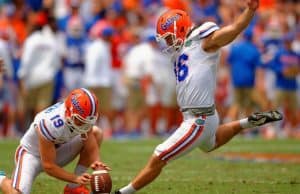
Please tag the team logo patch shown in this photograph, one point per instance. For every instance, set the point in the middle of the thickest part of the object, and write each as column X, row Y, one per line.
column 169, row 22
column 76, row 104
column 188, row 43
column 200, row 121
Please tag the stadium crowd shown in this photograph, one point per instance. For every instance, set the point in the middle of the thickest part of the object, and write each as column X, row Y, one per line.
column 50, row 47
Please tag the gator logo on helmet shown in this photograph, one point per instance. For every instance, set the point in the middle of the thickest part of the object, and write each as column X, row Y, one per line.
column 75, row 103
column 169, row 22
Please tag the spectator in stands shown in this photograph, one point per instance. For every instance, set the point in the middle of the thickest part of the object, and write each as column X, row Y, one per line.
column 98, row 74
column 6, row 76
column 74, row 50
column 176, row 4
column 134, row 73
column 204, row 10
column 39, row 63
column 5, row 55
column 12, row 19
column 244, row 60
column 160, row 88
column 97, row 11
column 6, row 73
column 270, row 41
column 62, row 23
column 286, row 66
column 296, row 42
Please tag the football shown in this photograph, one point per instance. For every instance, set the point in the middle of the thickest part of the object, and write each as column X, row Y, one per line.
column 101, row 182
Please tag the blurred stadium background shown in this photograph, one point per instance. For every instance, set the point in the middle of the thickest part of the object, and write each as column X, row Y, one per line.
column 53, row 46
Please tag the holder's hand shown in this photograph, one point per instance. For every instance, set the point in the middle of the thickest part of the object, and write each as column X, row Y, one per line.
column 83, row 179
column 97, row 164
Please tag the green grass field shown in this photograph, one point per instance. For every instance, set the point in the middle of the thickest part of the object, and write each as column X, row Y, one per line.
column 196, row 173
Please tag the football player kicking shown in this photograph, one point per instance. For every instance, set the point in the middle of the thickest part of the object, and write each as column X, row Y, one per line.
column 195, row 53
column 56, row 136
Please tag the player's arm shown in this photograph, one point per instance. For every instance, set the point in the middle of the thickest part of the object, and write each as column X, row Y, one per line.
column 48, row 157
column 93, row 152
column 91, row 147
column 227, row 34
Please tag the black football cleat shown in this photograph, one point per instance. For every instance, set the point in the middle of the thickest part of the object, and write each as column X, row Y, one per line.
column 117, row 192
column 261, row 118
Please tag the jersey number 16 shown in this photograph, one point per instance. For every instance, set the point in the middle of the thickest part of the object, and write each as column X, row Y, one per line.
column 180, row 67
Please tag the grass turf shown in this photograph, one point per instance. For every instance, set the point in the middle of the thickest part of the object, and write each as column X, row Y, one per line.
column 195, row 173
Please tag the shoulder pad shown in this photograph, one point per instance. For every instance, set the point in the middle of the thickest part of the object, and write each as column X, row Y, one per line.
column 45, row 129
column 203, row 30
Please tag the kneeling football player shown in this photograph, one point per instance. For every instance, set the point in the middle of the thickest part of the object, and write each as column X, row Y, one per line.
column 56, row 136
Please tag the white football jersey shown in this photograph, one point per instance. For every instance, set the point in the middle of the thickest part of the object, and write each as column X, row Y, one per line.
column 52, row 125
column 195, row 70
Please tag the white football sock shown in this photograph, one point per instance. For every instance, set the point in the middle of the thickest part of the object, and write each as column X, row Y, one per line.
column 78, row 171
column 245, row 124
column 128, row 189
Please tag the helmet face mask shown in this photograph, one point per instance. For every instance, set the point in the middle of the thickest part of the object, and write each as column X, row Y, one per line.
column 81, row 110
column 170, row 42
column 78, row 125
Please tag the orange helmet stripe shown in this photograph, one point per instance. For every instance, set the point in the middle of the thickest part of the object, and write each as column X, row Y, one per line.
column 92, row 102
